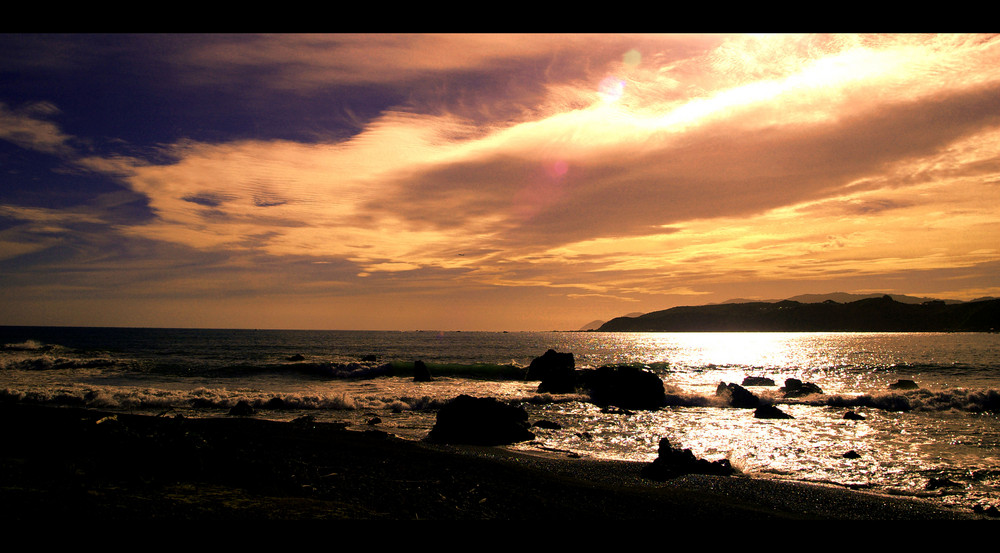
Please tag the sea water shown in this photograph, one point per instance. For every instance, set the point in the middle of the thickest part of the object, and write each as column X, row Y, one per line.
column 939, row 441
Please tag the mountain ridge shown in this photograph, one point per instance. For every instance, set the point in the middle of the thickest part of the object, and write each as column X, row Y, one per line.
column 881, row 313
column 845, row 297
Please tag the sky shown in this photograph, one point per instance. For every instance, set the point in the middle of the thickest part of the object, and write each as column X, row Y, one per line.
column 487, row 181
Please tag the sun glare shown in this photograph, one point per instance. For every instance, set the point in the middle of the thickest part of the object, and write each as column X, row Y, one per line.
column 611, row 88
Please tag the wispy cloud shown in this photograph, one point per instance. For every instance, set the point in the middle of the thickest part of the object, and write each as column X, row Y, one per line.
column 606, row 166
column 28, row 128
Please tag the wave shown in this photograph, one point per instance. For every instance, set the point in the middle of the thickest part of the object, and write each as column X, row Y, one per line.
column 955, row 399
column 484, row 371
column 30, row 345
column 920, row 400
column 47, row 362
column 219, row 399
column 34, row 355
column 404, row 369
column 199, row 398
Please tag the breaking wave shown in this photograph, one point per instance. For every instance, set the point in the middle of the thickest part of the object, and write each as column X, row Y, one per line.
column 199, row 398
column 956, row 399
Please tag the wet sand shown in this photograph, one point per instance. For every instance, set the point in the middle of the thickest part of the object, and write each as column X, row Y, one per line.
column 89, row 465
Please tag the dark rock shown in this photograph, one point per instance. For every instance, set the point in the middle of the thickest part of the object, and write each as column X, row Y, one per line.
column 480, row 421
column 241, row 409
column 770, row 412
column 296, row 357
column 373, row 421
column 671, row 463
column 758, row 381
column 624, row 386
column 983, row 474
column 796, row 388
column 202, row 403
column 420, row 372
column 936, row 483
column 547, row 424
column 990, row 511
column 550, row 359
column 369, row 358
column 904, row 384
column 852, row 416
column 737, row 396
column 852, row 455
column 559, row 382
column 556, row 371
column 276, row 403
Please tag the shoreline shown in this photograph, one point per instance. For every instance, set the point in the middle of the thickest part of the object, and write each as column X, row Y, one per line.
column 89, row 464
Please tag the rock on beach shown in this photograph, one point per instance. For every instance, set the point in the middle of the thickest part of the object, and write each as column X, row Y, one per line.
column 674, row 462
column 65, row 464
column 480, row 421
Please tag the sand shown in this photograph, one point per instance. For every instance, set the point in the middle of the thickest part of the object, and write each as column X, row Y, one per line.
column 86, row 464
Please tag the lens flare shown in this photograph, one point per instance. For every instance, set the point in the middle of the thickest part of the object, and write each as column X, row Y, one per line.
column 632, row 58
column 557, row 169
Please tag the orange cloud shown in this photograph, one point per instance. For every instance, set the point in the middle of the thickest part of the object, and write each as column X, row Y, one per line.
column 777, row 157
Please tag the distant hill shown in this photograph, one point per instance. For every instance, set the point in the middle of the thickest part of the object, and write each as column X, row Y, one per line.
column 878, row 314
column 843, row 297
column 594, row 325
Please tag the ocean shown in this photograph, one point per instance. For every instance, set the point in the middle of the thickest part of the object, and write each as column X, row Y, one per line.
column 940, row 441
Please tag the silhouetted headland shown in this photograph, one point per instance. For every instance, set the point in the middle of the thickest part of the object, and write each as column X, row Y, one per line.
column 882, row 314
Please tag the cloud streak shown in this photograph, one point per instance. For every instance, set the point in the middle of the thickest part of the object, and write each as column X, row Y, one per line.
column 604, row 168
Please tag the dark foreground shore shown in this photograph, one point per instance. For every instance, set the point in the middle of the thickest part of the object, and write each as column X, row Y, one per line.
column 89, row 465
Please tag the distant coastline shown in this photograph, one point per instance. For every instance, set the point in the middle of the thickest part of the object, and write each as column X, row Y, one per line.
column 879, row 314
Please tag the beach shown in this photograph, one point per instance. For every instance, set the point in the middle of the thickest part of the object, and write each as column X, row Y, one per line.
column 90, row 464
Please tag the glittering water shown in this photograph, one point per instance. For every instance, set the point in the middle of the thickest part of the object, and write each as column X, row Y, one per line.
column 910, row 441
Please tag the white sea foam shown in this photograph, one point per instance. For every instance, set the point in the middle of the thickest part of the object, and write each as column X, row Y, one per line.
column 958, row 399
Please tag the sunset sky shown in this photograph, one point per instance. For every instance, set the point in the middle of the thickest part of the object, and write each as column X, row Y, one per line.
column 487, row 182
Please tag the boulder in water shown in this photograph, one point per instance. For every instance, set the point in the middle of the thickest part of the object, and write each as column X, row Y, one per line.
column 937, row 483
column 420, row 372
column 796, row 388
column 903, row 384
column 557, row 372
column 624, row 386
column 737, row 396
column 276, row 403
column 547, row 424
column 480, row 421
column 770, row 412
column 758, row 381
column 242, row 409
